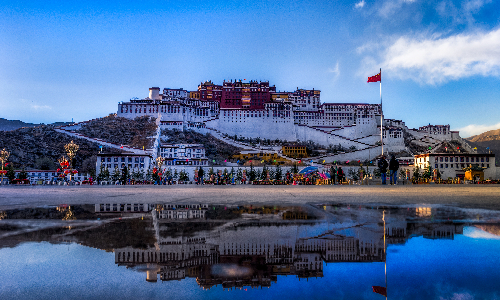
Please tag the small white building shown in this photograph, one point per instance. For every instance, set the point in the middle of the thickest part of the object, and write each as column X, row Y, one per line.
column 452, row 164
column 123, row 207
column 133, row 162
column 50, row 176
column 182, row 211
column 183, row 154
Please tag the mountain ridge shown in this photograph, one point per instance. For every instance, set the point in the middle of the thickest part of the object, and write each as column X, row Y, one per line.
column 491, row 135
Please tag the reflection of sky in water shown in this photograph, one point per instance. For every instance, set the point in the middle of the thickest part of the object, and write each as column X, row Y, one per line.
column 477, row 233
column 463, row 268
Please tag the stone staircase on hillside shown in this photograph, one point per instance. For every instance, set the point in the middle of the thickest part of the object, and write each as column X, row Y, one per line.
column 126, row 148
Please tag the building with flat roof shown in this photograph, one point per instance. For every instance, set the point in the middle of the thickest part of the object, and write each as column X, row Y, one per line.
column 133, row 161
column 183, row 155
column 452, row 164
column 295, row 150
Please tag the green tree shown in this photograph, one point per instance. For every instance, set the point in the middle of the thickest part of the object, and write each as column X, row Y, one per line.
column 23, row 174
column 278, row 173
column 183, row 176
column 149, row 175
column 11, row 173
column 263, row 174
column 168, row 173
column 239, row 175
column 125, row 175
column 252, row 174
column 416, row 173
column 101, row 173
column 176, row 175
column 295, row 169
column 105, row 174
column 272, row 173
column 427, row 174
column 116, row 174
column 402, row 173
column 137, row 175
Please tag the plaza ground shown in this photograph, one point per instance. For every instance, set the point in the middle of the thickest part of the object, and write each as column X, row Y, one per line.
column 469, row 196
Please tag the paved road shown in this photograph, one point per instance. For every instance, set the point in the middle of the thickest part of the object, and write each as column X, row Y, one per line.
column 471, row 196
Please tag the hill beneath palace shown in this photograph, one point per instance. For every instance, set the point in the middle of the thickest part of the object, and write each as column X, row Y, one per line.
column 40, row 146
column 138, row 132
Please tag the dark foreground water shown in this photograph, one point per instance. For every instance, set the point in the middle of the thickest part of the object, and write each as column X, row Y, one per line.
column 141, row 251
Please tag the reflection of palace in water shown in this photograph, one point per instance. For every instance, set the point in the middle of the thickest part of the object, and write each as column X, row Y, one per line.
column 245, row 251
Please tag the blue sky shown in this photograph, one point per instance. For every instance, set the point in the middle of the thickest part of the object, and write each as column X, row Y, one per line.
column 440, row 60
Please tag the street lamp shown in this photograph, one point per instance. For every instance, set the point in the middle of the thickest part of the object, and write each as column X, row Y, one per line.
column 4, row 155
column 71, row 150
column 63, row 162
column 159, row 163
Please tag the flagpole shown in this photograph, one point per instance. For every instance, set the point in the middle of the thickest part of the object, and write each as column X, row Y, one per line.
column 381, row 115
column 385, row 256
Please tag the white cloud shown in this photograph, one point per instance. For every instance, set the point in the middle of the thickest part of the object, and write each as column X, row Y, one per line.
column 459, row 296
column 32, row 105
column 360, row 4
column 479, row 234
column 474, row 129
column 464, row 13
column 41, row 107
column 436, row 60
column 335, row 70
column 389, row 7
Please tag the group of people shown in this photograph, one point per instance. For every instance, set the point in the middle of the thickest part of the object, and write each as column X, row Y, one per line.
column 336, row 174
column 393, row 169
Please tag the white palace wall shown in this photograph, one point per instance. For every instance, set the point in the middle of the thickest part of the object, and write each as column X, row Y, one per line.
column 258, row 126
column 345, row 124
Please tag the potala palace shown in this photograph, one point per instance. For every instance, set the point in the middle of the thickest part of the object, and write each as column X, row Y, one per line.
column 255, row 109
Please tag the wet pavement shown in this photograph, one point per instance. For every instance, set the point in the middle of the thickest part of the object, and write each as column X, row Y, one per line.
column 472, row 196
column 246, row 250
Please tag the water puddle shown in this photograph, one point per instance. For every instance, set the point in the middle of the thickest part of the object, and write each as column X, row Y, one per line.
column 320, row 251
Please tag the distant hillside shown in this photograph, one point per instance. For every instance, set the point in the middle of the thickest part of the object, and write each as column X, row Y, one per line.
column 489, row 139
column 492, row 135
column 136, row 133
column 40, row 148
column 6, row 125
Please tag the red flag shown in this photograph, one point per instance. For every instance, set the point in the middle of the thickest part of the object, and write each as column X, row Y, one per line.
column 375, row 78
column 380, row 290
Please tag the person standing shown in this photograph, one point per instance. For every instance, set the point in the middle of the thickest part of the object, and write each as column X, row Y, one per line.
column 201, row 173
column 333, row 173
column 382, row 165
column 393, row 170
column 340, row 175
